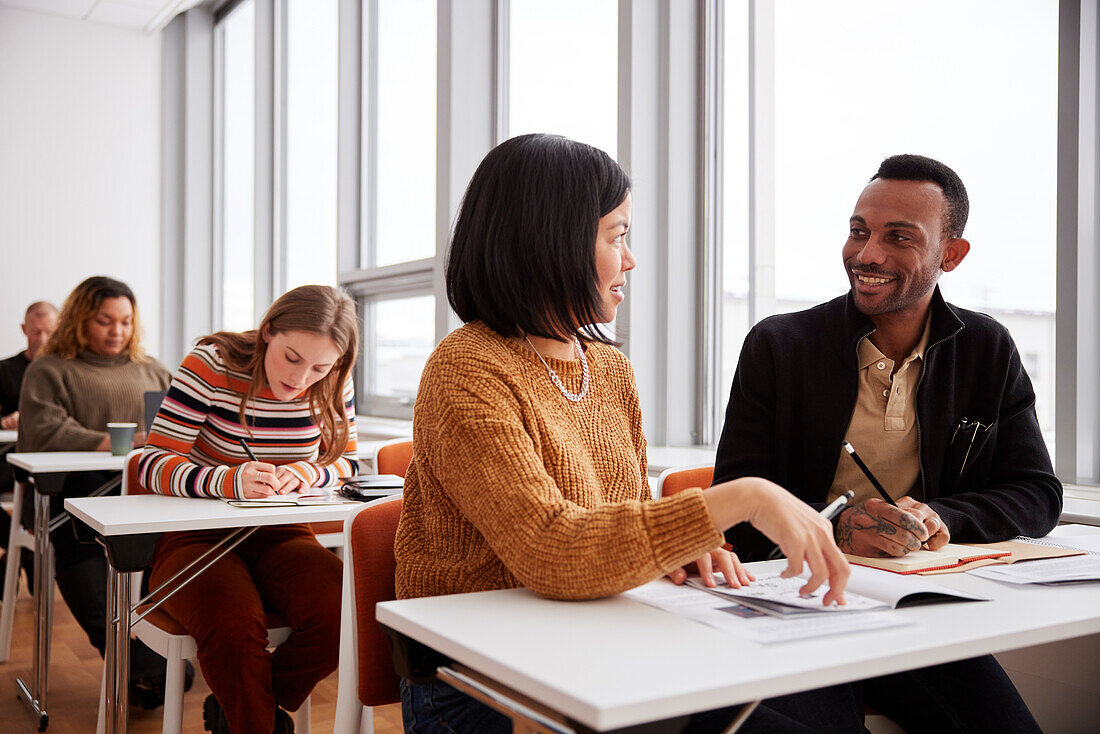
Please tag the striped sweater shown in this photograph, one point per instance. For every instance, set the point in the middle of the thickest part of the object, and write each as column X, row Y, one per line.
column 193, row 448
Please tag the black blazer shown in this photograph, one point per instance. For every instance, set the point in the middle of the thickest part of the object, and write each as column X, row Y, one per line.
column 983, row 464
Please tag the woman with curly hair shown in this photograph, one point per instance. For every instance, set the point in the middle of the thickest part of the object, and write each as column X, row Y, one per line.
column 92, row 371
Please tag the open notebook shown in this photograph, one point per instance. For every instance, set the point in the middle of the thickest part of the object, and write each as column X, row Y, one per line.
column 293, row 499
column 868, row 590
column 1082, row 565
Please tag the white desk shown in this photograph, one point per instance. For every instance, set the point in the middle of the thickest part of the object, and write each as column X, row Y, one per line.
column 129, row 527
column 49, row 470
column 8, row 437
column 612, row 663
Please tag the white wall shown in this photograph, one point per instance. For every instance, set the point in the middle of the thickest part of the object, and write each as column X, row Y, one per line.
column 80, row 121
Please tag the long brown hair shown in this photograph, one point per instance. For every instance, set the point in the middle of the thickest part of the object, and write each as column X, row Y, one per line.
column 82, row 304
column 315, row 309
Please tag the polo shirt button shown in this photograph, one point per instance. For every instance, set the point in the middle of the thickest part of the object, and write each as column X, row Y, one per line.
column 885, row 393
column 881, row 365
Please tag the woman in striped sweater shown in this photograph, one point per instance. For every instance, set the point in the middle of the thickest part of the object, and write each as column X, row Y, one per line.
column 285, row 388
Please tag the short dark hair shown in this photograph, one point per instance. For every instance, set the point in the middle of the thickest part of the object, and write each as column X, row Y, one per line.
column 522, row 257
column 909, row 167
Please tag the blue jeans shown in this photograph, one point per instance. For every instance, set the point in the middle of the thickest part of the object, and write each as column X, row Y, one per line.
column 965, row 696
column 437, row 708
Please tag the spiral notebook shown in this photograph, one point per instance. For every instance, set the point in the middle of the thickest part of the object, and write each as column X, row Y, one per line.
column 1078, row 561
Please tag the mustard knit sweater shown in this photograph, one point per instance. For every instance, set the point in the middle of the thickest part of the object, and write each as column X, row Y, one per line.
column 513, row 485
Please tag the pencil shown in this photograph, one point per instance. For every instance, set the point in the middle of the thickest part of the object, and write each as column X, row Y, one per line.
column 867, row 473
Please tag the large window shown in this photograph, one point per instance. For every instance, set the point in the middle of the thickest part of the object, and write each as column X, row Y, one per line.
column 312, row 75
column 404, row 148
column 394, row 283
column 238, row 83
column 749, row 129
column 971, row 84
column 563, row 71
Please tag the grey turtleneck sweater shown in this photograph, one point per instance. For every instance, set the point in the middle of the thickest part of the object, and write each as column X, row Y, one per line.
column 65, row 404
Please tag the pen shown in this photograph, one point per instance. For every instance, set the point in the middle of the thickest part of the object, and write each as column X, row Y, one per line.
column 867, row 473
column 248, row 450
column 831, row 510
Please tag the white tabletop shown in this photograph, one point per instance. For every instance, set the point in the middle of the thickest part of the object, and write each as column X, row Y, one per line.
column 8, row 436
column 154, row 513
column 615, row 662
column 50, row 462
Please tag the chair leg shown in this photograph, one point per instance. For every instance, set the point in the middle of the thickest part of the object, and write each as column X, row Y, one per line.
column 173, row 690
column 11, row 590
column 11, row 574
column 301, row 717
column 101, row 717
column 367, row 725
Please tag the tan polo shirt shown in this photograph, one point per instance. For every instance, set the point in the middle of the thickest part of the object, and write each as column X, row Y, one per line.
column 883, row 430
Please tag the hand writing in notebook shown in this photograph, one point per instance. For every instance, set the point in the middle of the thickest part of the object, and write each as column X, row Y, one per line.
column 877, row 529
column 258, row 479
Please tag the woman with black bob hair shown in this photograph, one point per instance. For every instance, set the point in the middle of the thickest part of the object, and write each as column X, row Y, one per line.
column 529, row 463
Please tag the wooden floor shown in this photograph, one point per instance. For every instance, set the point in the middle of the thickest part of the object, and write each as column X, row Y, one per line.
column 74, row 685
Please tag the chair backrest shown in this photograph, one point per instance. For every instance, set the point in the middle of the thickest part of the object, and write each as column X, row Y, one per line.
column 679, row 478
column 393, row 457
column 131, row 478
column 153, row 399
column 368, row 546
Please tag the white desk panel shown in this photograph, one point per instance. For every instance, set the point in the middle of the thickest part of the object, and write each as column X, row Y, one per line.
column 51, row 462
column 614, row 662
column 154, row 513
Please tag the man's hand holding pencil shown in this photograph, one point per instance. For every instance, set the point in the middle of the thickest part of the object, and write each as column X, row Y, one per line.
column 887, row 528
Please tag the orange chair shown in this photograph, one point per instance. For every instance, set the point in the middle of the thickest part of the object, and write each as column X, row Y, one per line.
column 367, row 678
column 677, row 479
column 393, row 457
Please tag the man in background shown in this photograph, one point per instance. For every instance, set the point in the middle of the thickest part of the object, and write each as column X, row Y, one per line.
column 39, row 324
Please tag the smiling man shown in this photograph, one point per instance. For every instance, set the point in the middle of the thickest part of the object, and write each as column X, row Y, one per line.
column 935, row 400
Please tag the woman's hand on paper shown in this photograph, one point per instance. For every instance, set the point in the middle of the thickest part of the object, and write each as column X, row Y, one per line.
column 287, row 481
column 804, row 536
column 876, row 528
column 718, row 559
column 258, row 479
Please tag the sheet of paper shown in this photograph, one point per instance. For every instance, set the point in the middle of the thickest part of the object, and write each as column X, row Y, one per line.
column 717, row 612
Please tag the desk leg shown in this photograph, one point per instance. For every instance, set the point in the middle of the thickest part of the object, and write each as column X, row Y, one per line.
column 43, row 613
column 742, row 716
column 117, row 659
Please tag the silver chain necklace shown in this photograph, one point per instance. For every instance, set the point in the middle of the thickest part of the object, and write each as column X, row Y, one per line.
column 576, row 397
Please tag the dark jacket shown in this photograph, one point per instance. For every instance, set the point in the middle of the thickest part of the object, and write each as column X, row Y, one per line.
column 795, row 390
column 11, row 379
